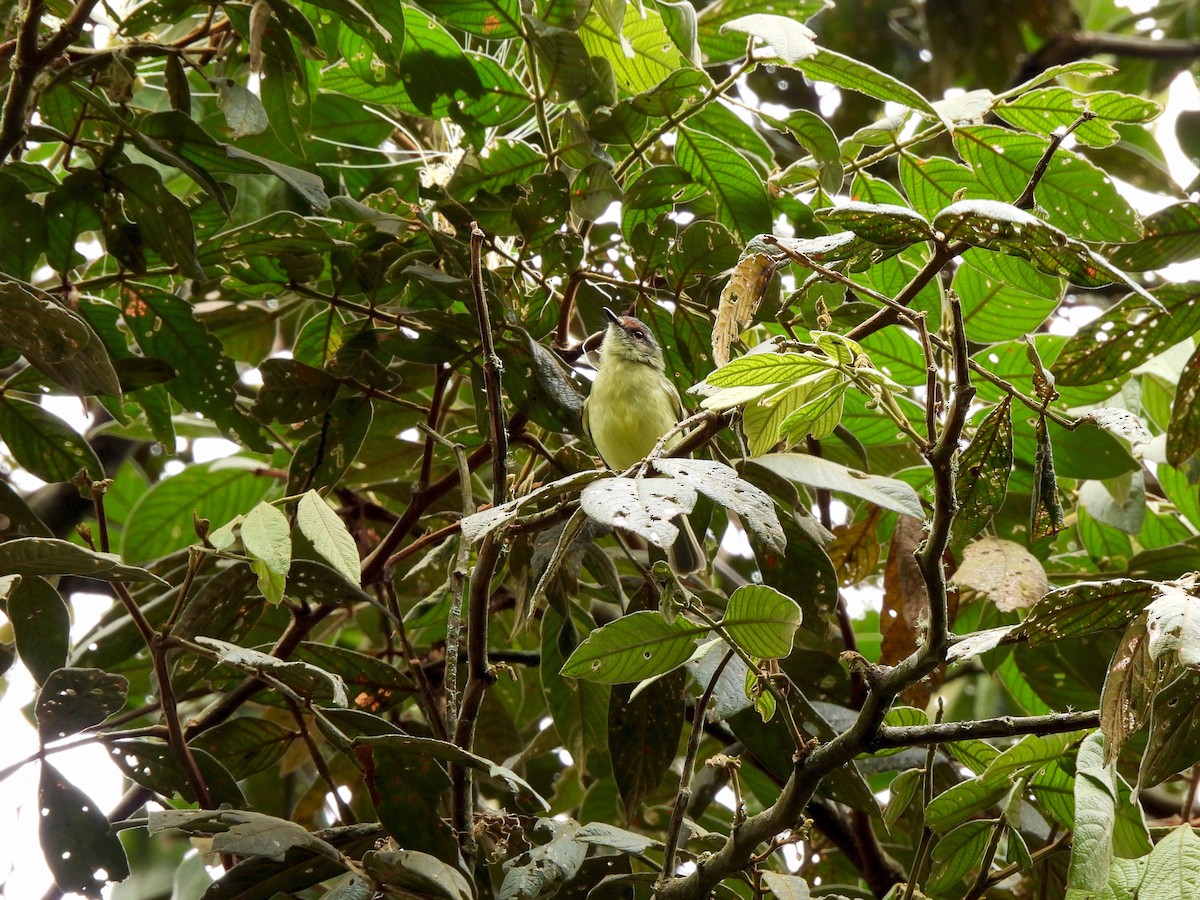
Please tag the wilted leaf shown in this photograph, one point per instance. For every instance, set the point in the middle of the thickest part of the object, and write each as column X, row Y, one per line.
column 1003, row 571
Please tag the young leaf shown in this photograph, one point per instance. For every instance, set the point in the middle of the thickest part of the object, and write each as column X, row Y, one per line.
column 267, row 539
column 329, row 535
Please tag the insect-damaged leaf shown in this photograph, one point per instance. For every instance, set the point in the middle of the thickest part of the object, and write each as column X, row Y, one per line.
column 634, row 647
column 644, row 506
column 983, row 471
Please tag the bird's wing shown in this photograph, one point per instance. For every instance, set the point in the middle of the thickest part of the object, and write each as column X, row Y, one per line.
column 587, row 428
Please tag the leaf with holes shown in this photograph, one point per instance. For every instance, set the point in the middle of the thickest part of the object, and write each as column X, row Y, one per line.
column 983, row 470
column 722, row 484
column 762, row 621
column 71, row 700
column 41, row 624
column 50, row 556
column 632, row 648
column 644, row 506
column 1171, row 235
column 1128, row 334
column 1086, row 608
column 80, row 848
column 1183, row 432
column 879, row 223
column 44, row 444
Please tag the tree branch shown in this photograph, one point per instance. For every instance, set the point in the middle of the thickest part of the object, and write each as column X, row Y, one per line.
column 891, row 736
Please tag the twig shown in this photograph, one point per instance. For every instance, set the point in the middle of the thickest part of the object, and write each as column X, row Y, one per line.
column 491, row 371
column 1189, row 798
column 1036, row 856
column 981, row 883
column 1025, row 201
column 344, row 811
column 684, row 794
column 458, row 580
column 425, row 696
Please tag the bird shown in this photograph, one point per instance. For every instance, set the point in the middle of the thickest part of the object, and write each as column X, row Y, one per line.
column 632, row 404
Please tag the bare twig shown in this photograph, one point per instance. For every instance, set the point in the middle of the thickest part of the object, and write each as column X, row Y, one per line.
column 1025, row 201
column 890, row 736
column 684, row 794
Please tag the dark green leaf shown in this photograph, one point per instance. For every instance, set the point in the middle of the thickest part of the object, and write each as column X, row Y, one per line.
column 1183, row 432
column 293, row 391
column 321, row 460
column 44, row 444
column 71, row 700
column 1128, row 334
column 643, row 735
column 81, row 851
column 983, row 470
column 26, row 238
column 56, row 341
column 246, row 745
column 1171, row 235
column 632, row 648
column 1085, row 608
column 49, row 556
column 42, row 625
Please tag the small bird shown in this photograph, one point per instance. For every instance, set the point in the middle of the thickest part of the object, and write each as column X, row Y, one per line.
column 632, row 404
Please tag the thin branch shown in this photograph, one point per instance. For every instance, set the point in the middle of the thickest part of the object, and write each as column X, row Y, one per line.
column 491, row 371
column 1025, row 201
column 425, row 697
column 916, row 875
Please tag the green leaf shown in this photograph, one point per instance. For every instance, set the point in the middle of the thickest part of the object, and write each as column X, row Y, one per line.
column 721, row 46
column 741, row 199
column 843, row 71
column 71, row 700
column 1170, row 235
column 81, row 850
column 633, row 648
column 154, row 765
column 1077, row 196
column 244, row 112
column 417, row 873
column 1002, row 297
column 328, row 534
column 1173, row 869
column 961, row 802
column 578, row 707
column 814, row 134
column 642, row 55
column 1174, row 718
column 1087, row 607
column 241, row 832
column 293, row 392
column 26, row 242
column 493, row 19
column 593, row 191
column 886, row 493
column 44, row 444
column 879, row 223
column 1183, row 432
column 303, row 678
column 756, row 369
column 957, row 853
column 267, row 539
column 762, row 621
column 71, row 210
column 165, row 224
column 790, row 40
column 933, row 184
column 507, row 162
column 165, row 326
column 983, row 469
column 643, row 735
column 1127, row 334
column 41, row 623
column 161, row 520
column 322, row 460
column 56, row 341
column 50, row 556
column 245, row 745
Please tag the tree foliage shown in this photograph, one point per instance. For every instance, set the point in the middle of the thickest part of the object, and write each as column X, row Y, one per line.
column 408, row 638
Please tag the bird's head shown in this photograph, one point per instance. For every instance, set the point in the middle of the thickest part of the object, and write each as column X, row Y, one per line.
column 630, row 340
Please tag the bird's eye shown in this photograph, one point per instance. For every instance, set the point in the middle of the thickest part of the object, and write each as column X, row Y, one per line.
column 640, row 335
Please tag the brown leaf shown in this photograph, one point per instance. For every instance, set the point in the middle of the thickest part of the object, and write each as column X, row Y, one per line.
column 1003, row 571
column 905, row 607
column 855, row 548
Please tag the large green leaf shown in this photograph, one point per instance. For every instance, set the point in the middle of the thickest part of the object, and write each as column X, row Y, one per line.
column 762, row 621
column 1171, row 235
column 642, row 55
column 161, row 520
column 632, row 648
column 81, row 850
column 1003, row 297
column 741, row 200
column 41, row 623
column 1077, row 196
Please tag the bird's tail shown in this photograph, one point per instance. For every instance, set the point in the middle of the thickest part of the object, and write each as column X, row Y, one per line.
column 686, row 555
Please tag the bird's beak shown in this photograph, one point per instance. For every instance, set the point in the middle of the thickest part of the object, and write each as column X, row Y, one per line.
column 612, row 316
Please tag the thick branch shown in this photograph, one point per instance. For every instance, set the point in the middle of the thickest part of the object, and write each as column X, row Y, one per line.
column 1005, row 726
